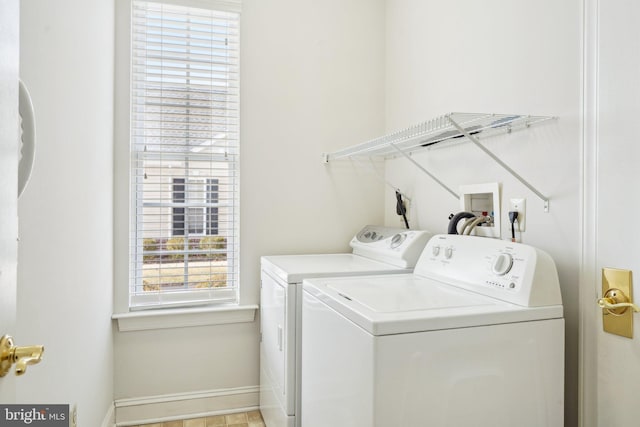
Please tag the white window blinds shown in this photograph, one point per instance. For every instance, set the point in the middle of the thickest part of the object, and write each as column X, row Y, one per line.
column 184, row 148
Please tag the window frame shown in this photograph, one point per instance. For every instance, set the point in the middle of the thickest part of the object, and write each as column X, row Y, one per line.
column 123, row 199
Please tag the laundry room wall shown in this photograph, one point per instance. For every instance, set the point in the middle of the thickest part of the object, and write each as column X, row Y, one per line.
column 495, row 56
column 312, row 81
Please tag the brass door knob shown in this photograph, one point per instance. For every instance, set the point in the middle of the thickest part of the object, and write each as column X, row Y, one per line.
column 21, row 356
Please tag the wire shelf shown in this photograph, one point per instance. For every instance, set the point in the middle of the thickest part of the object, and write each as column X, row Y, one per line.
column 436, row 131
column 444, row 128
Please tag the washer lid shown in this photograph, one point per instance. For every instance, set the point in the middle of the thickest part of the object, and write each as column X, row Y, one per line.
column 295, row 268
column 407, row 303
column 404, row 294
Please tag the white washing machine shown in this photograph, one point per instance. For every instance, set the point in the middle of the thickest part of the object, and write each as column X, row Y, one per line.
column 475, row 337
column 376, row 250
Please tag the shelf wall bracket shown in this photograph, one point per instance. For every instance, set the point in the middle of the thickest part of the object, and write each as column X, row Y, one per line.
column 478, row 144
column 419, row 166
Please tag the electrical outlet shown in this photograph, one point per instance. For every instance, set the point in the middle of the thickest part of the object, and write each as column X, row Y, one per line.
column 520, row 206
column 73, row 416
column 407, row 207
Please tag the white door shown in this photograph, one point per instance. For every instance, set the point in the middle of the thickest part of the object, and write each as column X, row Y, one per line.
column 9, row 50
column 611, row 364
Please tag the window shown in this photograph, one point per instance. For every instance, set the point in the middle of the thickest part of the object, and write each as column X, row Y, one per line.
column 202, row 219
column 184, row 155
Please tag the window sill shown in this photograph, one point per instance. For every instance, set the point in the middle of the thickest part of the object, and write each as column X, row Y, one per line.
column 184, row 317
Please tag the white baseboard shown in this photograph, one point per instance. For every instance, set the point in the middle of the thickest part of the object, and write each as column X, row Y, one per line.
column 110, row 417
column 169, row 407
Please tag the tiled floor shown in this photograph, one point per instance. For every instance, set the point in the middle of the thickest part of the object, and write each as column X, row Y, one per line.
column 242, row 419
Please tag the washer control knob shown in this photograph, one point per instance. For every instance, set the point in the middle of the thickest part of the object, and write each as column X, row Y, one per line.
column 502, row 264
column 448, row 252
column 435, row 250
column 397, row 240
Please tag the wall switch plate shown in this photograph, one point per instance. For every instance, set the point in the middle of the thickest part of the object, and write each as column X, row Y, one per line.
column 520, row 206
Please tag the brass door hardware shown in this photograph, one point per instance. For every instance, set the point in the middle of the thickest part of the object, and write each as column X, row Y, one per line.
column 21, row 356
column 616, row 302
column 617, row 298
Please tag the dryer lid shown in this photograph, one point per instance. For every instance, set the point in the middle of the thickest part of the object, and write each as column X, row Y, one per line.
column 295, row 268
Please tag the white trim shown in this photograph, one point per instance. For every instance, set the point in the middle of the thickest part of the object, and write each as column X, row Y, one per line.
column 185, row 317
column 110, row 417
column 588, row 329
column 121, row 176
column 223, row 5
column 171, row 407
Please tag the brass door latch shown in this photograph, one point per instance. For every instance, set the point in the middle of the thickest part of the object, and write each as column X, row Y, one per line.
column 21, row 356
column 616, row 302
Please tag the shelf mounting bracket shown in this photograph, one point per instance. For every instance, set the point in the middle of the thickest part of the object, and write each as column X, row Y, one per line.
column 419, row 166
column 517, row 176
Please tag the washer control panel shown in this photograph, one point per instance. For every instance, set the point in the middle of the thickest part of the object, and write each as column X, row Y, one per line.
column 396, row 246
column 513, row 272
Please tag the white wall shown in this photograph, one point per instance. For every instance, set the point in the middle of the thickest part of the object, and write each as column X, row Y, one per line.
column 501, row 56
column 312, row 76
column 65, row 253
column 312, row 82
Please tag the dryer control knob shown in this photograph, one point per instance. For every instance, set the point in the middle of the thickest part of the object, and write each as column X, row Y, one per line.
column 435, row 250
column 397, row 240
column 502, row 264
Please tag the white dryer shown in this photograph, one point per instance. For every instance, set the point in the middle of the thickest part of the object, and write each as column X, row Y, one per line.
column 475, row 337
column 376, row 250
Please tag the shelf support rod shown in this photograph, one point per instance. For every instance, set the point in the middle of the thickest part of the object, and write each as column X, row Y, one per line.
column 381, row 178
column 419, row 166
column 478, row 144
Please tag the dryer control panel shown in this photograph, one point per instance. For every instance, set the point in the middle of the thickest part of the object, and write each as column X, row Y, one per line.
column 513, row 272
column 397, row 246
